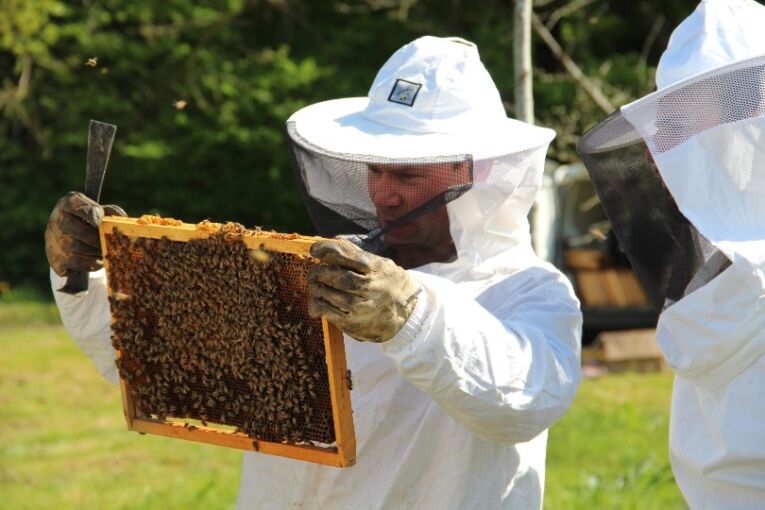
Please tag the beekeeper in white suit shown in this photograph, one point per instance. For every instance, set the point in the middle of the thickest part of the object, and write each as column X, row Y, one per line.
column 464, row 346
column 690, row 215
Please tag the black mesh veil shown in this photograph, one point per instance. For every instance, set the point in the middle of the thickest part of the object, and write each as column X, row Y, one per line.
column 395, row 207
column 665, row 249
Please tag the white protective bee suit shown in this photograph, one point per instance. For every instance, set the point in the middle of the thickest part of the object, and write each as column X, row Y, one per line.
column 705, row 130
column 453, row 411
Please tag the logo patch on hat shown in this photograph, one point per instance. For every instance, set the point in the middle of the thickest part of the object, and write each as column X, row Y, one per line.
column 404, row 92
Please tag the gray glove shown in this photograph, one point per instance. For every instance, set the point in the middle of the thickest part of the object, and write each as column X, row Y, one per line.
column 71, row 237
column 368, row 297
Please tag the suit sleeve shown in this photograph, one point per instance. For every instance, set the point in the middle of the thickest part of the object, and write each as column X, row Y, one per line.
column 88, row 320
column 504, row 365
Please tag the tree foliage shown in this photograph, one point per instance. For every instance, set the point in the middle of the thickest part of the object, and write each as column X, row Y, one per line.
column 200, row 92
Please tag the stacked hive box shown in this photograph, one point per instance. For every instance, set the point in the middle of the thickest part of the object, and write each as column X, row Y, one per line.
column 600, row 283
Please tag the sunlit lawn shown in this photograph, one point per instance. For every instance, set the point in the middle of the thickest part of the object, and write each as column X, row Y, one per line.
column 610, row 450
column 63, row 441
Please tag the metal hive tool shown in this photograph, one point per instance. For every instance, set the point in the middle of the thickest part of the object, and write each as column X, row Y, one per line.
column 215, row 343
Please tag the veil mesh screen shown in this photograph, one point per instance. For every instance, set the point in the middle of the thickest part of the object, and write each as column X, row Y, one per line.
column 728, row 95
column 397, row 206
column 663, row 247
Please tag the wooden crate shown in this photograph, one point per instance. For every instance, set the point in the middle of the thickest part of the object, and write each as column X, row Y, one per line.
column 610, row 287
column 581, row 258
column 155, row 237
column 633, row 350
column 600, row 283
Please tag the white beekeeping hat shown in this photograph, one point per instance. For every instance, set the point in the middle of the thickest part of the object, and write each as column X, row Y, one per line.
column 432, row 130
column 718, row 33
column 432, row 97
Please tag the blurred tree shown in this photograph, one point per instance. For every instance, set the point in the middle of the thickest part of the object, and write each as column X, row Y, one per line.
column 200, row 92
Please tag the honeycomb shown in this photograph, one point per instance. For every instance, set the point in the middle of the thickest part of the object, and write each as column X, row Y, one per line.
column 214, row 331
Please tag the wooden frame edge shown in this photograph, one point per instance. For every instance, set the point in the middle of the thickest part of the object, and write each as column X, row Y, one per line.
column 340, row 392
column 327, row 456
column 128, row 407
column 299, row 245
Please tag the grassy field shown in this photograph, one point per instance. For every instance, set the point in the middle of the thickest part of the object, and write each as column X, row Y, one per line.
column 63, row 442
column 611, row 448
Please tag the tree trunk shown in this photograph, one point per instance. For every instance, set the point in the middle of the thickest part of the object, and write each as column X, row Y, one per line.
column 524, row 99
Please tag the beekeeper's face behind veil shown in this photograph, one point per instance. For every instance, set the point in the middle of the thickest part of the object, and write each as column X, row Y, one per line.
column 700, row 248
column 398, row 190
column 427, row 170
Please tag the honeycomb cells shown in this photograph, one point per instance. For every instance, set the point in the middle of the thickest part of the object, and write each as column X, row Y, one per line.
column 214, row 331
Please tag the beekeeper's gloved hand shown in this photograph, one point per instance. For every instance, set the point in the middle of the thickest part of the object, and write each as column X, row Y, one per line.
column 368, row 297
column 71, row 237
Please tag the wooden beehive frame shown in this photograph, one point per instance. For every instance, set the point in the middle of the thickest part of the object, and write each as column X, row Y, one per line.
column 342, row 454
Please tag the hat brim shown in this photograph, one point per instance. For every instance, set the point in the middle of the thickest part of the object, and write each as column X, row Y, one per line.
column 690, row 80
column 339, row 126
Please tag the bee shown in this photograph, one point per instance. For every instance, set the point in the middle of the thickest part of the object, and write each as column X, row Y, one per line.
column 348, row 378
column 180, row 104
column 92, row 62
column 260, row 256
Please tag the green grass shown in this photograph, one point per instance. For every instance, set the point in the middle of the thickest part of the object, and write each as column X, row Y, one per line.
column 25, row 307
column 611, row 448
column 63, row 441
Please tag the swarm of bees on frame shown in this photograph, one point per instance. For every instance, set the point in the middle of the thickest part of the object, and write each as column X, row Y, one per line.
column 213, row 331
